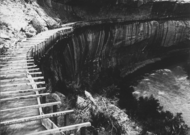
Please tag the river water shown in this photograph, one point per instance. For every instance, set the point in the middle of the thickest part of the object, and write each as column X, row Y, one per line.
column 171, row 86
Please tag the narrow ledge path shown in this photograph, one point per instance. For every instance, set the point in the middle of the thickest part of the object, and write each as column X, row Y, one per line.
column 21, row 86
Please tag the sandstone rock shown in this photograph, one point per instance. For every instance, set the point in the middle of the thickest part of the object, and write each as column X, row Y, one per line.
column 1, row 46
column 28, row 34
column 30, row 31
column 4, row 36
column 6, row 46
column 80, row 102
column 39, row 24
column 50, row 22
column 48, row 2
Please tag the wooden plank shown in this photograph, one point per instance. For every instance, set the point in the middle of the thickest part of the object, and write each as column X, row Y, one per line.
column 22, row 67
column 20, row 84
column 39, row 39
column 23, row 91
column 29, row 44
column 21, row 79
column 19, row 74
column 62, row 129
column 21, row 70
column 32, row 106
column 25, row 46
column 24, row 97
column 33, row 118
column 10, row 57
column 15, row 64
column 16, row 53
column 15, row 61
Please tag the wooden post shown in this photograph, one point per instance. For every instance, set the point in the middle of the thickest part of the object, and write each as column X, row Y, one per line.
column 38, row 50
column 55, row 110
column 36, row 55
column 95, row 132
column 43, row 50
column 83, row 131
column 66, row 117
column 35, row 52
column 41, row 47
column 32, row 51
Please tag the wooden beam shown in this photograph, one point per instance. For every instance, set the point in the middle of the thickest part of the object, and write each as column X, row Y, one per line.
column 21, row 79
column 27, row 46
column 8, row 75
column 34, row 41
column 15, row 61
column 23, row 91
column 10, row 57
column 33, row 118
column 20, row 84
column 24, row 97
column 21, row 70
column 62, row 129
column 22, row 67
column 16, row 53
column 39, row 39
column 32, row 106
column 15, row 64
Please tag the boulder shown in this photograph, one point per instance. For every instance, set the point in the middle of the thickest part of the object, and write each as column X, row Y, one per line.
column 30, row 31
column 39, row 24
column 50, row 22
column 4, row 36
column 48, row 2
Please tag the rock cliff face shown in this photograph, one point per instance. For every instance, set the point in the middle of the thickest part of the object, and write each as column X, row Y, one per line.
column 20, row 19
column 77, row 10
column 25, row 18
column 76, row 61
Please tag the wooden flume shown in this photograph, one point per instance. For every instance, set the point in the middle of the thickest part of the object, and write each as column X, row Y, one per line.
column 19, row 66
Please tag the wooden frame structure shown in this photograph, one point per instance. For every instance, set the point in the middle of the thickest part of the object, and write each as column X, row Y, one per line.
column 36, row 48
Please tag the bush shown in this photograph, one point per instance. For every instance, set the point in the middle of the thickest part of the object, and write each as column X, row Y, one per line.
column 150, row 115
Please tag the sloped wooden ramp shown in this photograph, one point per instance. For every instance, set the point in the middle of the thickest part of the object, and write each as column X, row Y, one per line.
column 22, row 85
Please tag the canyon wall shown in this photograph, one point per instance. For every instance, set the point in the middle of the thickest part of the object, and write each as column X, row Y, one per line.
column 80, row 10
column 74, row 62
